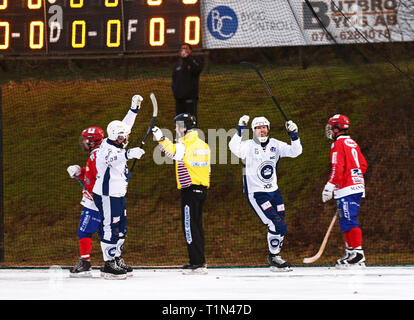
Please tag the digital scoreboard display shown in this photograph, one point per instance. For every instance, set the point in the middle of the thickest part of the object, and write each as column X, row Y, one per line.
column 51, row 27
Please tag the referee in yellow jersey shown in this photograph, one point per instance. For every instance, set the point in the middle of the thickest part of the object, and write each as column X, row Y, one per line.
column 192, row 167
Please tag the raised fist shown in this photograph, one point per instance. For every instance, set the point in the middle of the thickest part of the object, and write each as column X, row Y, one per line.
column 291, row 126
column 244, row 120
column 136, row 102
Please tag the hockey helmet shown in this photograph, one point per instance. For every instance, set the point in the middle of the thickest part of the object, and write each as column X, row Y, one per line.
column 91, row 138
column 118, row 130
column 186, row 121
column 338, row 121
column 258, row 122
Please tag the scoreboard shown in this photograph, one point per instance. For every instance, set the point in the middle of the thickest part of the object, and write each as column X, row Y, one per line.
column 54, row 27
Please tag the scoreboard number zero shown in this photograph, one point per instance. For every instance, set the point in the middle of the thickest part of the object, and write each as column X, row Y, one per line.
column 97, row 26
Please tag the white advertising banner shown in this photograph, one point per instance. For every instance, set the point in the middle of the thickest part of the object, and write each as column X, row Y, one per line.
column 247, row 23
column 270, row 23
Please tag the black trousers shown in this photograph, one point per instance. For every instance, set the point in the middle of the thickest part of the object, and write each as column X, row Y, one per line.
column 192, row 200
column 186, row 106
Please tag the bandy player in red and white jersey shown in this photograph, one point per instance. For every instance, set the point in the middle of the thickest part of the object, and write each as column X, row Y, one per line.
column 346, row 184
column 90, row 140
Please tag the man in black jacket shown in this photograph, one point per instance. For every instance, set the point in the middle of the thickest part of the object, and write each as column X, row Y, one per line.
column 185, row 81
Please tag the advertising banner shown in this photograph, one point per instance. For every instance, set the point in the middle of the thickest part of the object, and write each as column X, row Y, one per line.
column 270, row 23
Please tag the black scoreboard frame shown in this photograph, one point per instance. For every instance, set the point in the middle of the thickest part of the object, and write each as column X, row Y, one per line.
column 53, row 28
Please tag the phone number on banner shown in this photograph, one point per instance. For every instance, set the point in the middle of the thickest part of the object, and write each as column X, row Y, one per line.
column 352, row 36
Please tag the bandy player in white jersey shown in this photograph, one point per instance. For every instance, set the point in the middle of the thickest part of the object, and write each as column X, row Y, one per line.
column 261, row 156
column 110, row 190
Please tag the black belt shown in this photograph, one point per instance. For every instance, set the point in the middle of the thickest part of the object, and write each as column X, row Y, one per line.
column 195, row 187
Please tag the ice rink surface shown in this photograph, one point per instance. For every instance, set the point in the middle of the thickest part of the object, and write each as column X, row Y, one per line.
column 303, row 283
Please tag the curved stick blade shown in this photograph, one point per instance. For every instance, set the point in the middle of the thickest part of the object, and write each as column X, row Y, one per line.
column 154, row 105
column 324, row 242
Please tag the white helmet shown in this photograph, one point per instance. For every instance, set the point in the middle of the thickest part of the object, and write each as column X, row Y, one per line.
column 257, row 122
column 118, row 130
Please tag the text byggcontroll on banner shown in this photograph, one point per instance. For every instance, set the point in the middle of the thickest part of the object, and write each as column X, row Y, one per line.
column 269, row 23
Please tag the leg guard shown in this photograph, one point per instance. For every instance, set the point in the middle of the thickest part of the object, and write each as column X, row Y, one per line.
column 119, row 247
column 354, row 237
column 85, row 247
column 275, row 242
column 108, row 251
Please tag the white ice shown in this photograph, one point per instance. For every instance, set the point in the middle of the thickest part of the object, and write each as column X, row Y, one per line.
column 303, row 283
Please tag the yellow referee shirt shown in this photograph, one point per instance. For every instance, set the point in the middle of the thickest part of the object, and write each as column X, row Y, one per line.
column 192, row 160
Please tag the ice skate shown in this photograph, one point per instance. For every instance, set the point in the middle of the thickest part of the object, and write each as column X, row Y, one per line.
column 121, row 263
column 344, row 257
column 81, row 270
column 353, row 258
column 111, row 271
column 194, row 269
column 277, row 264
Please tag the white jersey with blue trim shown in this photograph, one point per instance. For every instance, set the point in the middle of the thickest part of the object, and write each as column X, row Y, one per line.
column 111, row 165
column 260, row 163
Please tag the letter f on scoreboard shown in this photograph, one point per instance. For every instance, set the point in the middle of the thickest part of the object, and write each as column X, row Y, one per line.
column 131, row 28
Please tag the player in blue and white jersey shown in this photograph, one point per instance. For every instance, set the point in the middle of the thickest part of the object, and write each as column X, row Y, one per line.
column 110, row 190
column 261, row 156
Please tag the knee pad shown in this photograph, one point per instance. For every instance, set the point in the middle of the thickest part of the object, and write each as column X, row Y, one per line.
column 346, row 225
column 122, row 233
column 82, row 234
column 89, row 223
column 280, row 225
column 348, row 220
column 349, row 207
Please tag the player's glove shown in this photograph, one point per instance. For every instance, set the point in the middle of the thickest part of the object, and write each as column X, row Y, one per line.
column 136, row 102
column 291, row 126
column 74, row 170
column 244, row 121
column 158, row 136
column 292, row 129
column 327, row 192
column 136, row 153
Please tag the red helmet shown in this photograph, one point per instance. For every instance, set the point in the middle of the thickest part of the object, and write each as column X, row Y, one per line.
column 338, row 121
column 91, row 138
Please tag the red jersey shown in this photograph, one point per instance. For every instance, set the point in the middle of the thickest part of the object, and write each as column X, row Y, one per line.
column 88, row 175
column 348, row 167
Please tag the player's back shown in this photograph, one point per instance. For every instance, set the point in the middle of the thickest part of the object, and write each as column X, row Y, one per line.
column 349, row 166
column 111, row 178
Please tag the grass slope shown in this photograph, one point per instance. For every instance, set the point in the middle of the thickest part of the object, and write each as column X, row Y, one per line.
column 42, row 121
